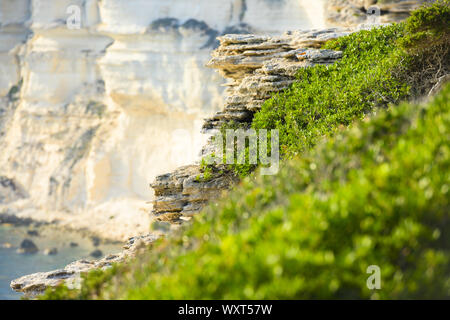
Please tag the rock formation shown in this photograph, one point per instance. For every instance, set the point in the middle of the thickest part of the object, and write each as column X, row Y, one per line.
column 354, row 12
column 184, row 192
column 257, row 67
column 10, row 191
column 37, row 283
column 92, row 94
column 86, row 114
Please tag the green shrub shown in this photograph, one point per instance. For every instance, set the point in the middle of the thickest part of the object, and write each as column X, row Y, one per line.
column 242, row 166
column 327, row 97
column 377, row 194
column 374, row 194
column 426, row 41
column 378, row 67
column 429, row 26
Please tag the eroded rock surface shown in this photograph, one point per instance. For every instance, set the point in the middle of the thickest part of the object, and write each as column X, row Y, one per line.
column 256, row 67
column 10, row 190
column 354, row 12
column 185, row 191
column 37, row 283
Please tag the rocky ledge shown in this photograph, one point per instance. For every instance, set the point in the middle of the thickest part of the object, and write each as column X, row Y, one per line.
column 256, row 67
column 37, row 283
column 186, row 191
column 354, row 12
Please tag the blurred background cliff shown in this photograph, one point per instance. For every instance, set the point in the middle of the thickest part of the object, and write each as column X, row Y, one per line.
column 88, row 114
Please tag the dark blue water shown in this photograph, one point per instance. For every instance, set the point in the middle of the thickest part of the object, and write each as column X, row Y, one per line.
column 14, row 265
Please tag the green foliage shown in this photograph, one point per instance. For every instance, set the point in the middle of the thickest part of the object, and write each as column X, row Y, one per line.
column 351, row 196
column 375, row 70
column 377, row 194
column 327, row 97
column 207, row 171
column 92, row 284
column 241, row 166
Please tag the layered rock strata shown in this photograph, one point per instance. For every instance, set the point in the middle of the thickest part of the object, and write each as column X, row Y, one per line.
column 355, row 12
column 92, row 92
column 256, row 67
column 185, row 191
column 259, row 66
column 37, row 283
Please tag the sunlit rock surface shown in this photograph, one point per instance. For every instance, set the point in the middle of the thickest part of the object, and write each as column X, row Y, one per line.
column 181, row 193
column 37, row 283
column 355, row 12
column 90, row 115
column 256, row 67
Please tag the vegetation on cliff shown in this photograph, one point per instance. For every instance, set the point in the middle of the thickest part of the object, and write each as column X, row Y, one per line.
column 379, row 67
column 349, row 195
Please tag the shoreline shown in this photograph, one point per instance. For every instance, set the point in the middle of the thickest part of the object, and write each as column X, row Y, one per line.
column 69, row 246
column 16, row 222
column 118, row 227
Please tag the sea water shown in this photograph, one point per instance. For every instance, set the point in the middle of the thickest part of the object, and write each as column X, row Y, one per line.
column 14, row 265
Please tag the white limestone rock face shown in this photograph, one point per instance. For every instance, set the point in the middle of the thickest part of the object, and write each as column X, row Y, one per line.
column 90, row 115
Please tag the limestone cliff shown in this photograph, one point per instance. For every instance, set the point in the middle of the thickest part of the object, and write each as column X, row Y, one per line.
column 256, row 66
column 89, row 141
column 90, row 113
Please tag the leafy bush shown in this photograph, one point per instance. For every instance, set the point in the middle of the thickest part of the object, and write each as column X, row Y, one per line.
column 377, row 194
column 426, row 41
column 380, row 66
column 326, row 97
column 374, row 194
